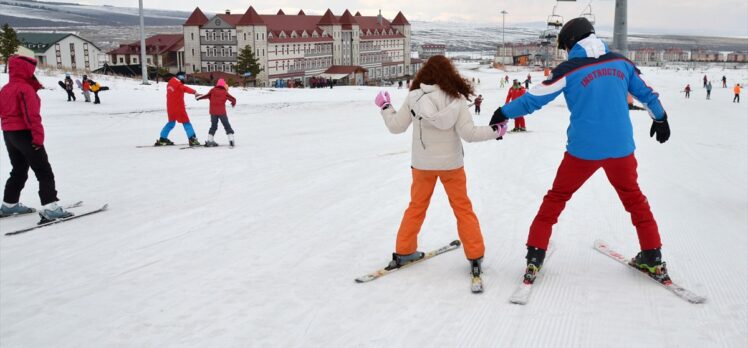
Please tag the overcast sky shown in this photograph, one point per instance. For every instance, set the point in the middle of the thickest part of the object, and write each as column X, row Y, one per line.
column 705, row 17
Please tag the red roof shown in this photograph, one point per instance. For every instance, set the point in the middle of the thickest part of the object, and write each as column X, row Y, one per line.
column 161, row 43
column 328, row 18
column 347, row 18
column 372, row 23
column 251, row 18
column 400, row 19
column 232, row 19
column 290, row 23
column 196, row 18
column 283, row 22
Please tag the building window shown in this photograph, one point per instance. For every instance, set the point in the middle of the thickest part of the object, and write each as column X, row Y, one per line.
column 122, row 60
column 192, row 36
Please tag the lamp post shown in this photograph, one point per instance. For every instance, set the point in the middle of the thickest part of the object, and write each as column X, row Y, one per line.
column 143, row 66
column 503, row 43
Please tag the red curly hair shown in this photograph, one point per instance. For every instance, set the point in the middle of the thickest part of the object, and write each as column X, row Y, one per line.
column 438, row 70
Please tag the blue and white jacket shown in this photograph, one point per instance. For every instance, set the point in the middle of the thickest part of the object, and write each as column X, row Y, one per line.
column 595, row 83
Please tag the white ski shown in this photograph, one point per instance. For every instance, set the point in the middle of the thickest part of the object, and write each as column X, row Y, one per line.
column 676, row 289
column 521, row 294
column 384, row 271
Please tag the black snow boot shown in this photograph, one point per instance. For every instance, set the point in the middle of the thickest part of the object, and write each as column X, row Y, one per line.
column 163, row 142
column 475, row 267
column 535, row 257
column 650, row 262
column 402, row 260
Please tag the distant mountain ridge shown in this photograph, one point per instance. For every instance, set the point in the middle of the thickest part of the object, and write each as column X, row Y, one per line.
column 110, row 25
column 31, row 13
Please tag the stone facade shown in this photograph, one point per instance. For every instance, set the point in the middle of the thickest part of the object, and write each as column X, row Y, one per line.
column 300, row 46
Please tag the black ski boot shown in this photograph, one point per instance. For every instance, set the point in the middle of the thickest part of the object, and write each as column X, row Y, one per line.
column 535, row 257
column 194, row 142
column 163, row 142
column 650, row 262
column 475, row 267
column 402, row 260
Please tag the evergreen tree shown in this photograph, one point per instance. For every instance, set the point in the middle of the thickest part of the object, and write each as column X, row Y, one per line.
column 246, row 62
column 8, row 43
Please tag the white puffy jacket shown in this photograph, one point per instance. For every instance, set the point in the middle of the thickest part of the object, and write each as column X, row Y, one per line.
column 439, row 121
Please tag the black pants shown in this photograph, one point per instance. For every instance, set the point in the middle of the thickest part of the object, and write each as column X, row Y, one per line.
column 214, row 124
column 96, row 98
column 22, row 156
column 708, row 94
column 70, row 94
column 737, row 98
column 477, row 109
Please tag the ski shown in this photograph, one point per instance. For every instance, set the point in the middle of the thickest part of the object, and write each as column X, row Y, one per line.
column 147, row 146
column 74, row 205
column 676, row 289
column 384, row 271
column 202, row 146
column 521, row 294
column 45, row 224
column 476, row 285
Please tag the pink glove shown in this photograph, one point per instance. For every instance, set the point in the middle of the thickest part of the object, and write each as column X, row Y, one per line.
column 383, row 99
column 500, row 129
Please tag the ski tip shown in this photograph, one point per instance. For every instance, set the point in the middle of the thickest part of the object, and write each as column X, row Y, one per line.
column 599, row 243
column 455, row 243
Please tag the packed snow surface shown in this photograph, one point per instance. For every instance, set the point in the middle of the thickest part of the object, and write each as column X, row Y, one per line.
column 259, row 245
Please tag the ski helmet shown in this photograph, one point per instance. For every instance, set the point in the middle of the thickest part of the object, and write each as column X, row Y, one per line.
column 181, row 76
column 574, row 31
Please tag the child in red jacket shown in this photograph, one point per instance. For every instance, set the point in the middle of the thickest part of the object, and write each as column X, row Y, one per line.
column 218, row 97
column 515, row 92
column 21, row 120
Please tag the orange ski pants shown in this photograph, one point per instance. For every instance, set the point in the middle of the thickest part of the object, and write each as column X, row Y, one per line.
column 455, row 185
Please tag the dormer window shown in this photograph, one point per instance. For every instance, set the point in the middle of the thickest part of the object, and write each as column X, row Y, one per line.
column 282, row 35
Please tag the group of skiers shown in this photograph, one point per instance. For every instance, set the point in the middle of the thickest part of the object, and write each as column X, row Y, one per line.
column 177, row 112
column 436, row 108
column 87, row 86
column 708, row 87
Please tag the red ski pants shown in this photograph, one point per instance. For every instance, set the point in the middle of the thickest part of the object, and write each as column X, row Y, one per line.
column 455, row 185
column 519, row 122
column 572, row 173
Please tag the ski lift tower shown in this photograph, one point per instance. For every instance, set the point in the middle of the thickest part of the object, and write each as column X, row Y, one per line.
column 620, row 28
column 620, row 25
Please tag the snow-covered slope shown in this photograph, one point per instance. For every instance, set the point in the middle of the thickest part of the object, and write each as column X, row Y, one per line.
column 259, row 245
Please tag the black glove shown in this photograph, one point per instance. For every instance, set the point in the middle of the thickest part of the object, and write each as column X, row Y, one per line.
column 661, row 128
column 36, row 147
column 498, row 117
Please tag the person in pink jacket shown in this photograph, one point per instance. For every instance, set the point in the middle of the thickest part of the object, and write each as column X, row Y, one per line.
column 23, row 133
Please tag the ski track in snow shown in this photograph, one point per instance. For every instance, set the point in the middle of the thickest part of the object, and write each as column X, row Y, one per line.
column 259, row 245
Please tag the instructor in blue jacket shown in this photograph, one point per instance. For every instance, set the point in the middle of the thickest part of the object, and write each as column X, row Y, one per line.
column 595, row 83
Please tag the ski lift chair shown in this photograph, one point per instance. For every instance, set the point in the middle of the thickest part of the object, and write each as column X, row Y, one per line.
column 588, row 14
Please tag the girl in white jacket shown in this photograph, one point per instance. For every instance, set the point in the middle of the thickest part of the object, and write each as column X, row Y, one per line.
column 437, row 108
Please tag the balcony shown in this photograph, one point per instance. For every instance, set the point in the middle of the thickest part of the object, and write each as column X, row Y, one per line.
column 205, row 41
column 205, row 58
column 310, row 53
